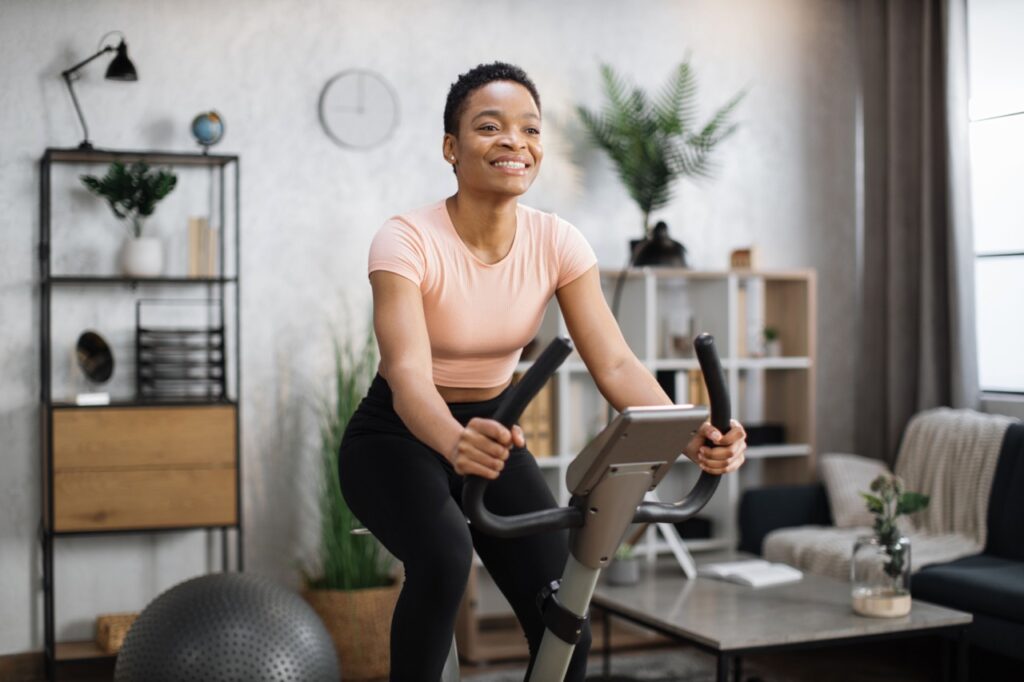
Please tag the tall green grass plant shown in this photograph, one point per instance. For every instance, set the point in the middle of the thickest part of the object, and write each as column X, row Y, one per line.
column 347, row 561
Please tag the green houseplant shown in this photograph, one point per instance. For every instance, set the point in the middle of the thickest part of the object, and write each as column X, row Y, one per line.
column 132, row 192
column 772, row 342
column 625, row 566
column 653, row 141
column 880, row 569
column 351, row 588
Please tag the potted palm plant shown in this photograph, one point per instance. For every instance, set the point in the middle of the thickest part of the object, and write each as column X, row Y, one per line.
column 352, row 587
column 653, row 141
column 133, row 193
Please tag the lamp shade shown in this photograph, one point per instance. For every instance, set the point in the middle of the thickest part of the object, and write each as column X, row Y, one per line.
column 121, row 68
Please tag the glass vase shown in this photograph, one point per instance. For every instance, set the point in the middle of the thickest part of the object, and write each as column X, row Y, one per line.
column 880, row 577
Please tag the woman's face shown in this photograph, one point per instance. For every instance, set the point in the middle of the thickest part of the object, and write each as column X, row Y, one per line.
column 498, row 148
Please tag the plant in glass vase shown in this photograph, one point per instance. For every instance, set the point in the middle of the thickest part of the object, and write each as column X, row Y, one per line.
column 132, row 192
column 880, row 568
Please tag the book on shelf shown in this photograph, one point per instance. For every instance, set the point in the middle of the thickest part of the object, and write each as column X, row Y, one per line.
column 202, row 248
column 751, row 572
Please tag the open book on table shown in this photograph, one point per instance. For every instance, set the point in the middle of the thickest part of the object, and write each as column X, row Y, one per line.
column 752, row 572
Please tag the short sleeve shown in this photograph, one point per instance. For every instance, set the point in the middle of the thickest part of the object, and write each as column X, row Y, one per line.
column 398, row 247
column 575, row 256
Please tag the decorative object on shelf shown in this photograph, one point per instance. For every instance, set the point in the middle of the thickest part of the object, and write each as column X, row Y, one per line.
column 765, row 434
column 202, row 248
column 659, row 249
column 624, row 568
column 358, row 109
column 680, row 328
column 880, row 567
column 96, row 361
column 350, row 586
column 179, row 347
column 772, row 342
column 696, row 528
column 743, row 259
column 119, row 69
column 208, row 129
column 537, row 421
column 132, row 192
column 227, row 626
column 654, row 141
column 111, row 629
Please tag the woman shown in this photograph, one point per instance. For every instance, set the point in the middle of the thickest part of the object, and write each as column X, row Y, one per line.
column 459, row 287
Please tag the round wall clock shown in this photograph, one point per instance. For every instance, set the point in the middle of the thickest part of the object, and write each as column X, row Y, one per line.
column 358, row 109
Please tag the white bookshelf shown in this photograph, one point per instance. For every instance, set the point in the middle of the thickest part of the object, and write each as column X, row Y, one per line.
column 658, row 304
column 734, row 306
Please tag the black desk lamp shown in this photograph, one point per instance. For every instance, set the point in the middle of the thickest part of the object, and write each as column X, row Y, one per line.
column 120, row 69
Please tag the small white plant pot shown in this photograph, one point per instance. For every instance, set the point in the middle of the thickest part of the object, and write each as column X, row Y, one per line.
column 773, row 348
column 142, row 257
column 623, row 571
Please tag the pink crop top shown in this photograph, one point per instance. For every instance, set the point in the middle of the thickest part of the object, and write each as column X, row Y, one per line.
column 479, row 316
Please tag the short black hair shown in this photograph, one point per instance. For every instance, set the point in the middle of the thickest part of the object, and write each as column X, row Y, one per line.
column 476, row 78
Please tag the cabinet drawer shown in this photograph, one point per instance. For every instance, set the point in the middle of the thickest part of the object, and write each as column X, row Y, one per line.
column 167, row 498
column 111, row 437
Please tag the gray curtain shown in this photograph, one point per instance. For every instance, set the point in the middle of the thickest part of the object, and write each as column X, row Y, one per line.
column 917, row 345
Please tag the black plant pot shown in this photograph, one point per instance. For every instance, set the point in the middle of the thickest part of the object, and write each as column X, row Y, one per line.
column 658, row 250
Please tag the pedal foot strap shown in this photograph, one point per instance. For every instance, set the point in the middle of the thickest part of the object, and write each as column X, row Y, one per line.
column 562, row 622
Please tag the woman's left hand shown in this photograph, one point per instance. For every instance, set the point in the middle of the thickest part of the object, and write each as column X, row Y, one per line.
column 726, row 453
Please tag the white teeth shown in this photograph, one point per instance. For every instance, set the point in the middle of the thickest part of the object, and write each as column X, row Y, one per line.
column 510, row 164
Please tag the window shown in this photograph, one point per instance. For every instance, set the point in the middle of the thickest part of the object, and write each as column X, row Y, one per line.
column 995, row 56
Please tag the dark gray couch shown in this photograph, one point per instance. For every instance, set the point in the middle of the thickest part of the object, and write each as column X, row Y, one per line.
column 989, row 585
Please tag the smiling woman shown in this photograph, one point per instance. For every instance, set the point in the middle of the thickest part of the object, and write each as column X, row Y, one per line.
column 459, row 288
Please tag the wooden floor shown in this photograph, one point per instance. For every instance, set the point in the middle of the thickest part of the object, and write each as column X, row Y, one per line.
column 906, row 661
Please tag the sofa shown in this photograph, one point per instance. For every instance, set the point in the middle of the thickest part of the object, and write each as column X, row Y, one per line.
column 988, row 583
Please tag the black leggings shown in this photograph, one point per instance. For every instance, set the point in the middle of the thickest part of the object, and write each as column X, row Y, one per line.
column 409, row 497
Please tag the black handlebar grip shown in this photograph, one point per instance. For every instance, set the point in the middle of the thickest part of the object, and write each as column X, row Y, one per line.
column 721, row 419
column 507, row 413
column 714, row 379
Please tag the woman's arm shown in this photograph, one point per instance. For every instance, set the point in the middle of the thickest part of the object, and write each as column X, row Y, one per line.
column 405, row 362
column 623, row 380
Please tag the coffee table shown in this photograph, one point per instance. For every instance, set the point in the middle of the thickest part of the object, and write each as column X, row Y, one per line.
column 731, row 621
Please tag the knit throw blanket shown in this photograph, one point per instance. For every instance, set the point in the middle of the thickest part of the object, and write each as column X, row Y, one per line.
column 949, row 455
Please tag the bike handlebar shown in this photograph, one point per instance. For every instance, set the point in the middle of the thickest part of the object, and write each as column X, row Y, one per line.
column 721, row 419
column 572, row 517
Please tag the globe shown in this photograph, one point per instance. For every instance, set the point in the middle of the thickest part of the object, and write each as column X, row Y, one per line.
column 208, row 128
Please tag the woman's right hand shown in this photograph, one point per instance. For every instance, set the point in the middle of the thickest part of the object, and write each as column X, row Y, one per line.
column 483, row 447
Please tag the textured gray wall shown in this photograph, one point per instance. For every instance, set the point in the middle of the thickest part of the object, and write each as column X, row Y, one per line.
column 786, row 183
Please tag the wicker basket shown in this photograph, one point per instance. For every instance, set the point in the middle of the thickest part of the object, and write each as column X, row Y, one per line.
column 111, row 629
column 359, row 622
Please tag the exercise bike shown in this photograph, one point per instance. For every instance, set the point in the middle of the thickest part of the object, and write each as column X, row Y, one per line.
column 608, row 481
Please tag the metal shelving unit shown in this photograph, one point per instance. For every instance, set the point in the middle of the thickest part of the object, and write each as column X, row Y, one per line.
column 225, row 288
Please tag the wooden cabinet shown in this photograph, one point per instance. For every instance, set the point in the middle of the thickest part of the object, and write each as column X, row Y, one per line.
column 144, row 467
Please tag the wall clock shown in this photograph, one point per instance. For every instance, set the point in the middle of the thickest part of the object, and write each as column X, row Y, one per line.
column 358, row 109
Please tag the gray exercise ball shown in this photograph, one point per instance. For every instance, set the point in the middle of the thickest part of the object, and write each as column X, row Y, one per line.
column 227, row 627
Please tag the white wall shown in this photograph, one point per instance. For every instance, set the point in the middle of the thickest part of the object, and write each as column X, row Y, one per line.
column 786, row 182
